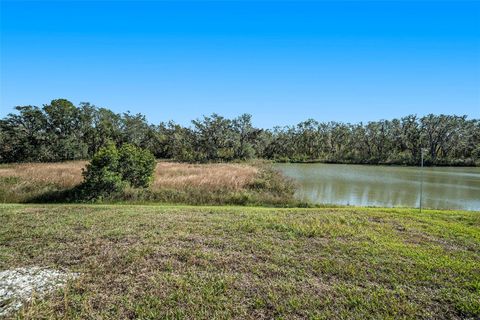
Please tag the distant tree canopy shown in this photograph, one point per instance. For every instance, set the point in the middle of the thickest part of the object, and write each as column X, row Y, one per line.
column 61, row 131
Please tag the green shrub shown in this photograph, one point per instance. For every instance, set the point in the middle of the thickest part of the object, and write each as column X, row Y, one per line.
column 111, row 170
column 136, row 165
column 101, row 176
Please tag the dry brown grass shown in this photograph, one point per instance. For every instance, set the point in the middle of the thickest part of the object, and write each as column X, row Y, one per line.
column 207, row 176
column 196, row 184
column 64, row 174
column 167, row 174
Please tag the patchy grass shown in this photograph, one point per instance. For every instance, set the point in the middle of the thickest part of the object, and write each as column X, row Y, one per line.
column 152, row 262
column 232, row 183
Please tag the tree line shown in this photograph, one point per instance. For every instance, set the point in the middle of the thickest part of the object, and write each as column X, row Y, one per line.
column 62, row 131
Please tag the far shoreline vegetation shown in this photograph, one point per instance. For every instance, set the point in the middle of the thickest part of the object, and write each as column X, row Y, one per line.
column 61, row 131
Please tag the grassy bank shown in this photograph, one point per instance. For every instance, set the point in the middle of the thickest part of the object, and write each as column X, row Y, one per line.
column 214, row 184
column 155, row 262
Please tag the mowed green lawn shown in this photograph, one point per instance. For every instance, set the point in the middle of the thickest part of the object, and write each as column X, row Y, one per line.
column 155, row 262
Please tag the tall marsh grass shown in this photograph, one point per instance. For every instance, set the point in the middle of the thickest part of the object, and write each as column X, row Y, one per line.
column 219, row 183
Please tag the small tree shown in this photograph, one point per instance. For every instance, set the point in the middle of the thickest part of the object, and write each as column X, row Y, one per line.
column 136, row 165
column 111, row 170
column 101, row 176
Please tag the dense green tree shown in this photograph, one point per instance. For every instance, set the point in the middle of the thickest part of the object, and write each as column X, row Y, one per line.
column 136, row 165
column 102, row 176
column 215, row 138
column 245, row 136
column 24, row 135
column 112, row 169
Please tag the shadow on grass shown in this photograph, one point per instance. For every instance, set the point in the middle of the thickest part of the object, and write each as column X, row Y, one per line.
column 58, row 196
column 190, row 196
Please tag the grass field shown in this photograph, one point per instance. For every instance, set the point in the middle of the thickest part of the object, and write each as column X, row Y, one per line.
column 218, row 183
column 153, row 262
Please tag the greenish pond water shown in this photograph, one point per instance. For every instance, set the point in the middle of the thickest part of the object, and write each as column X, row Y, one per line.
column 386, row 186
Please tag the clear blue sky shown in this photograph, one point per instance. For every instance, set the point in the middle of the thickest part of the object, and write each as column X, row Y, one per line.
column 283, row 62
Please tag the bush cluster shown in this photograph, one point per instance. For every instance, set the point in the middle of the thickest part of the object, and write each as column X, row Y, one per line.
column 111, row 170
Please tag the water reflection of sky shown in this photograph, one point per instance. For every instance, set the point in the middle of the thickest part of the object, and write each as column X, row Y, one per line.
column 449, row 188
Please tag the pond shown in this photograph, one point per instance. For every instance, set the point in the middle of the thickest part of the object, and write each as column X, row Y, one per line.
column 386, row 186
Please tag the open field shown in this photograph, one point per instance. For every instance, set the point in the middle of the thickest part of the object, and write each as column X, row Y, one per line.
column 218, row 183
column 179, row 262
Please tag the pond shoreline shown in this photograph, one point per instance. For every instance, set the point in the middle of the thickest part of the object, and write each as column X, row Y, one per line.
column 387, row 164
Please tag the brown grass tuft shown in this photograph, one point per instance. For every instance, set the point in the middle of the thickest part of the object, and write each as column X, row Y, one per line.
column 207, row 176
column 64, row 174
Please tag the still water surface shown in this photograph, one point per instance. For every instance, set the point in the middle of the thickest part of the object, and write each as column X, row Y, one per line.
column 386, row 186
